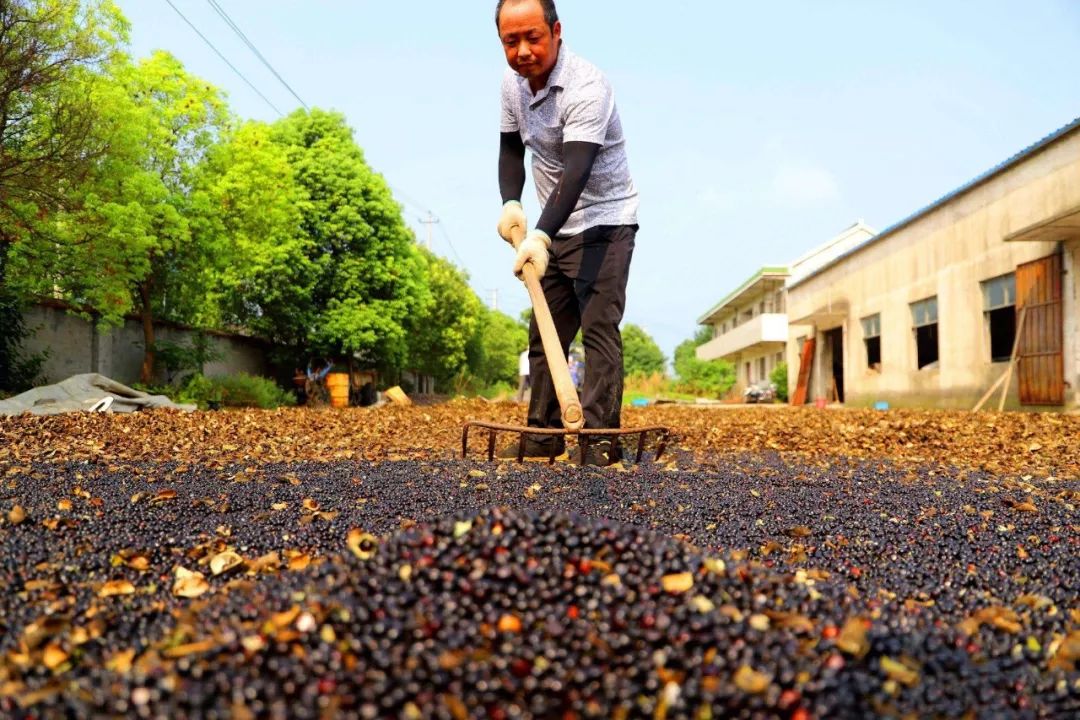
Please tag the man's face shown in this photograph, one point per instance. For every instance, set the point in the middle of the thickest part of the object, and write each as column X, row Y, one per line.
column 531, row 47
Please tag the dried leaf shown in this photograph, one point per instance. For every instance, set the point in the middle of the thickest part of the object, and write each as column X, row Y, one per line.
column 677, row 583
column 53, row 656
column 162, row 496
column 509, row 623
column 852, row 639
column 702, row 604
column 189, row 649
column 116, row 587
column 189, row 584
column 751, row 681
column 225, row 561
column 363, row 545
column 900, row 672
column 121, row 661
column 16, row 515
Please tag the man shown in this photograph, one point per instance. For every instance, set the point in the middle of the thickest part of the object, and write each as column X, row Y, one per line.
column 563, row 109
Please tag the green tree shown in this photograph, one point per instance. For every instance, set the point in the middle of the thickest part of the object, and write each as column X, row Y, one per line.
column 51, row 56
column 502, row 338
column 641, row 354
column 124, row 241
column 367, row 273
column 442, row 334
column 710, row 377
column 247, row 210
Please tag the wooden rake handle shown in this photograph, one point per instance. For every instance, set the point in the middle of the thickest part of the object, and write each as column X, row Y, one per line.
column 572, row 416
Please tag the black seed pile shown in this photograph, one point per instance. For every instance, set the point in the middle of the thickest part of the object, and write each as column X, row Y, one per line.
column 454, row 590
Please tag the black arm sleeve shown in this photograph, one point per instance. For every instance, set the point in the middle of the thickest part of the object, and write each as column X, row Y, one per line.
column 579, row 158
column 511, row 166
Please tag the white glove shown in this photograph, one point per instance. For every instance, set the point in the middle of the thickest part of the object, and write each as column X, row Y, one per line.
column 533, row 249
column 513, row 215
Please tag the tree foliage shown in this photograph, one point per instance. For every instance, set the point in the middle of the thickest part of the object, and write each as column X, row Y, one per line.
column 641, row 354
column 443, row 334
column 247, row 210
column 51, row 53
column 126, row 188
column 707, row 377
column 367, row 274
column 502, row 338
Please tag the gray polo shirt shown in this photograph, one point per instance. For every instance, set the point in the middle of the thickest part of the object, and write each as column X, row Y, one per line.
column 576, row 105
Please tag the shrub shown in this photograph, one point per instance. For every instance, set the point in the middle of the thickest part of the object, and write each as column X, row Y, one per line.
column 499, row 390
column 779, row 378
column 240, row 390
column 243, row 390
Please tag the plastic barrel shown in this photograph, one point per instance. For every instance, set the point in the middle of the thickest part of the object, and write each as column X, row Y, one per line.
column 338, row 385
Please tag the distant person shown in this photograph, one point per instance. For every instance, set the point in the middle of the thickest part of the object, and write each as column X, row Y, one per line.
column 562, row 108
column 577, row 370
column 523, row 374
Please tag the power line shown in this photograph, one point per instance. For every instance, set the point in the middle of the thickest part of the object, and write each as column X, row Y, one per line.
column 446, row 236
column 403, row 196
column 225, row 59
column 240, row 33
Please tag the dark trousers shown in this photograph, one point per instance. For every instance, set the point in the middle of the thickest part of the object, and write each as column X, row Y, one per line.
column 585, row 287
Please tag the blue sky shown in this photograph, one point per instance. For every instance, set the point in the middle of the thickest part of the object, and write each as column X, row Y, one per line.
column 755, row 131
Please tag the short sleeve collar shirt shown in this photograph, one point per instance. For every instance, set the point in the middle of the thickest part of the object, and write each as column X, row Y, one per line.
column 576, row 105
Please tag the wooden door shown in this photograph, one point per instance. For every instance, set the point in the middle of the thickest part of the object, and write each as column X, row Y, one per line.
column 1040, row 356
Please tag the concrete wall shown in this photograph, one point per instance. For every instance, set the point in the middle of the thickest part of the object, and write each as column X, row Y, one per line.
column 752, row 356
column 75, row 346
column 834, row 248
column 945, row 253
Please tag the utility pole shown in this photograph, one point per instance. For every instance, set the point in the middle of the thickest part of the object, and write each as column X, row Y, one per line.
column 429, row 221
column 495, row 298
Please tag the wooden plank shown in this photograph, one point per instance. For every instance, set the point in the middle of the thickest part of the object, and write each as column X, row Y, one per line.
column 805, row 363
column 1012, row 359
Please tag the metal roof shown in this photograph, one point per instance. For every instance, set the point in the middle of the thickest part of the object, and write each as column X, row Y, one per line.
column 997, row 169
column 769, row 271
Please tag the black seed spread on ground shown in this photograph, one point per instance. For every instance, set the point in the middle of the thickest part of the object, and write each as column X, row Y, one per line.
column 755, row 588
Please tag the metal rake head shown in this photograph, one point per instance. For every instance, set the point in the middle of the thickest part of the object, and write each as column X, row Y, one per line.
column 584, row 436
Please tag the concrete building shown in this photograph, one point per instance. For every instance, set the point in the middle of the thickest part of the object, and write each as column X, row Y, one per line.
column 927, row 313
column 750, row 325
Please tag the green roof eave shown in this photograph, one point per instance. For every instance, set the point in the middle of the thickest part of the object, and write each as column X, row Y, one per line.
column 767, row 272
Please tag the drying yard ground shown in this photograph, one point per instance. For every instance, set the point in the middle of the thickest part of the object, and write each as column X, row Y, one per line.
column 791, row 564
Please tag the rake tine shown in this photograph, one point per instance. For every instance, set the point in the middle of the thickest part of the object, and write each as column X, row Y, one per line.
column 583, row 447
column 465, row 442
column 662, row 445
column 491, row 445
column 640, row 447
column 521, row 448
column 551, row 454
